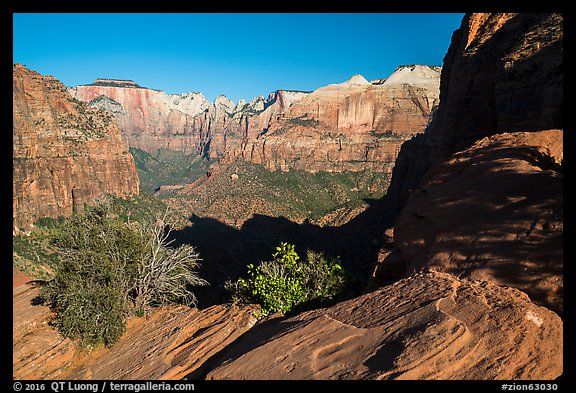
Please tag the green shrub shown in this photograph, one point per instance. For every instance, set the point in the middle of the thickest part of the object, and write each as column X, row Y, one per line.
column 108, row 270
column 287, row 284
column 98, row 265
column 48, row 222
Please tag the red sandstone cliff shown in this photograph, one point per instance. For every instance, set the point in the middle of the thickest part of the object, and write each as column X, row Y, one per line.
column 483, row 184
column 149, row 119
column 350, row 126
column 65, row 153
column 353, row 125
column 502, row 73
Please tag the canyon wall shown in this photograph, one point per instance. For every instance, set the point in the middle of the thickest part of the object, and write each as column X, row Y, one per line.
column 479, row 240
column 480, row 193
column 152, row 119
column 353, row 125
column 149, row 119
column 65, row 153
column 502, row 73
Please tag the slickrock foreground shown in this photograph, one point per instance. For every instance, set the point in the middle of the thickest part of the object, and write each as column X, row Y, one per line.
column 428, row 326
column 173, row 343
column 39, row 351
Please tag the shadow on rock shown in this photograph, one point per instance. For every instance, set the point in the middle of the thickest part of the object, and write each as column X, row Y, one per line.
column 226, row 250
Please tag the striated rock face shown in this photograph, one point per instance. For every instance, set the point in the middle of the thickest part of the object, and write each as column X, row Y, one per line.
column 428, row 326
column 65, row 153
column 350, row 126
column 39, row 352
column 173, row 343
column 502, row 73
column 108, row 104
column 353, row 125
column 495, row 212
column 150, row 119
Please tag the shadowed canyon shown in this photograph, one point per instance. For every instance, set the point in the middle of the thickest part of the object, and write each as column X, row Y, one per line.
column 440, row 189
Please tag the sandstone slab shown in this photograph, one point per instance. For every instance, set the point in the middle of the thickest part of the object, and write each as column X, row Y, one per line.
column 172, row 343
column 428, row 326
column 493, row 211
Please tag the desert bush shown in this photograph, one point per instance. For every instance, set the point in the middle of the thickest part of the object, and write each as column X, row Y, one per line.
column 165, row 273
column 109, row 269
column 287, row 284
column 97, row 268
column 48, row 222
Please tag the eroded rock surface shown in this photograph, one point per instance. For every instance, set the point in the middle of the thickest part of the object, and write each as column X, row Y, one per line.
column 173, row 343
column 428, row 326
column 495, row 212
column 350, row 126
column 354, row 125
column 503, row 73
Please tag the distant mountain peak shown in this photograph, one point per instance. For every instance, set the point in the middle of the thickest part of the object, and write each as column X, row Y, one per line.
column 115, row 83
column 414, row 74
column 357, row 80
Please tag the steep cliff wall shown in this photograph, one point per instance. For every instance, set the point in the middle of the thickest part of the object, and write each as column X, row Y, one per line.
column 481, row 191
column 149, row 119
column 502, row 73
column 350, row 126
column 354, row 125
column 65, row 153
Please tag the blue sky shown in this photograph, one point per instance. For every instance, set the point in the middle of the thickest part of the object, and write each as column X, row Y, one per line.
column 239, row 55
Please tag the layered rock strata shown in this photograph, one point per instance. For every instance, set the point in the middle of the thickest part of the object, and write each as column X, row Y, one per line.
column 152, row 119
column 65, row 153
column 173, row 343
column 351, row 126
column 354, row 125
column 149, row 119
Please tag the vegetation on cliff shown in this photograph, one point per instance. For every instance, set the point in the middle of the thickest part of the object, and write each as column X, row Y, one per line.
column 167, row 168
column 109, row 269
column 241, row 189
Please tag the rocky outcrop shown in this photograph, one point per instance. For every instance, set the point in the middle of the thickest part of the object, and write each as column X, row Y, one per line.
column 115, row 82
column 108, row 104
column 502, row 73
column 495, row 212
column 351, row 126
column 428, row 326
column 65, row 153
column 172, row 343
